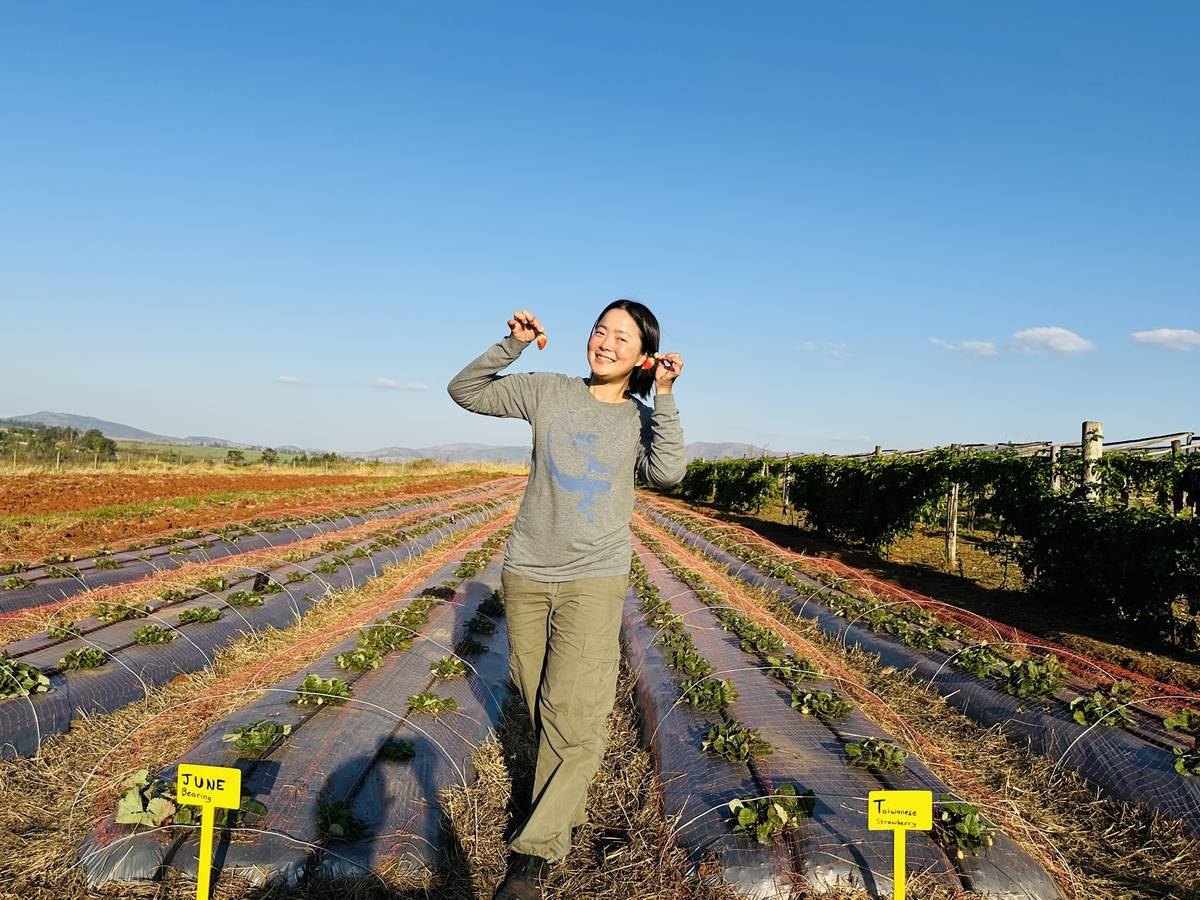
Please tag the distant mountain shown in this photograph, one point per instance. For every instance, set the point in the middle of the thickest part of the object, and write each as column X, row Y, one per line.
column 447, row 452
column 457, row 452
column 83, row 423
column 728, row 450
column 218, row 442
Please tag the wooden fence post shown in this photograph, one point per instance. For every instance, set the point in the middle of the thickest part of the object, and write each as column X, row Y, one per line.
column 1177, row 494
column 952, row 522
column 878, row 450
column 1093, row 448
column 1055, row 477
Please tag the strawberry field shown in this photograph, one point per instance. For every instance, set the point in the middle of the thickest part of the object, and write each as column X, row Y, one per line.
column 353, row 666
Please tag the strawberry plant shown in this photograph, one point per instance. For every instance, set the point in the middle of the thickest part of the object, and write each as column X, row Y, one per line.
column 449, row 667
column 119, row 612
column 825, row 704
column 398, row 751
column 494, row 604
column 153, row 634
column 62, row 571
column 442, row 592
column 147, row 801
column 679, row 640
column 336, row 821
column 980, row 661
column 62, row 630
column 961, row 828
column 15, row 583
column 84, row 658
column 689, row 664
column 1107, row 706
column 258, row 737
column 106, row 562
column 296, row 575
column 735, row 742
column 429, row 702
column 13, row 568
column 316, row 691
column 882, row 756
column 18, row 679
column 480, row 625
column 1187, row 762
column 468, row 646
column 326, row 567
column 172, row 595
column 212, row 585
column 1032, row 678
column 359, row 660
column 1185, row 722
column 767, row 818
column 711, row 694
column 791, row 668
column 383, row 637
column 243, row 598
column 222, row 818
column 199, row 615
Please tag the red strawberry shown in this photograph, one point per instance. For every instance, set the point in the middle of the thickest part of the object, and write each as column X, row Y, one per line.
column 648, row 362
column 542, row 340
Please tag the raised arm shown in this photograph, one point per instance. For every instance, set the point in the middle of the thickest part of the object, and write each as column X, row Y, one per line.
column 479, row 389
column 660, row 457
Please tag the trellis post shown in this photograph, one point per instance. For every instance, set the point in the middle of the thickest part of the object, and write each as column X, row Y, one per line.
column 952, row 521
column 1093, row 449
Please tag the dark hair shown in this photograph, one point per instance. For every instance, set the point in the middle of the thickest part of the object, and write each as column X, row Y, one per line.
column 640, row 380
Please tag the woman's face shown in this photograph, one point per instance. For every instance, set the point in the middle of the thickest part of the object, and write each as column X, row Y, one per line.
column 615, row 347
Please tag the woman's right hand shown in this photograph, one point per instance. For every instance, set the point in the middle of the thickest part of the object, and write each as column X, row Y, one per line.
column 524, row 325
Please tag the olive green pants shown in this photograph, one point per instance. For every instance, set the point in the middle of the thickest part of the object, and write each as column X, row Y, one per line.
column 564, row 651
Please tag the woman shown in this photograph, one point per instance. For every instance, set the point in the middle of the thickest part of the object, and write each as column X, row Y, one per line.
column 566, row 567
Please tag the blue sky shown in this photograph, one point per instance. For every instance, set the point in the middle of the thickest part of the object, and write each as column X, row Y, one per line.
column 905, row 224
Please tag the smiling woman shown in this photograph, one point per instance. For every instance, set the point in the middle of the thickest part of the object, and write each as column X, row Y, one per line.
column 566, row 568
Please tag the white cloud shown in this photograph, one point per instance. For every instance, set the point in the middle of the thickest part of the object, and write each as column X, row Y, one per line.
column 1169, row 338
column 1051, row 339
column 970, row 348
column 836, row 349
column 290, row 379
column 398, row 386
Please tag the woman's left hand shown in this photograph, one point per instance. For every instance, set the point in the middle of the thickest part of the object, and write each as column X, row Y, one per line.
column 666, row 371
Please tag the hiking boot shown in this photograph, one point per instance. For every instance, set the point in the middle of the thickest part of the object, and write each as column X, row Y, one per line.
column 526, row 875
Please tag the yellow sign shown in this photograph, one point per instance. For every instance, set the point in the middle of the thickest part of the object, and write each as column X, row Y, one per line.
column 207, row 787
column 898, row 811
column 887, row 810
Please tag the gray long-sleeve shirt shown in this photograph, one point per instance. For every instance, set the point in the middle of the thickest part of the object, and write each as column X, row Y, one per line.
column 574, row 519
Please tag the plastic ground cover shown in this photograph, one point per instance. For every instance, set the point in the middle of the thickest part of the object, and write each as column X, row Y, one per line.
column 1125, row 766
column 398, row 800
column 46, row 589
column 331, row 755
column 696, row 786
column 26, row 722
column 834, row 849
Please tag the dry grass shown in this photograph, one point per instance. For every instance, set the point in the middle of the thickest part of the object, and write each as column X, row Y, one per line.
column 1102, row 849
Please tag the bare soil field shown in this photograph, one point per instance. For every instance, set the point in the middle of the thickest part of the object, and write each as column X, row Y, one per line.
column 34, row 535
